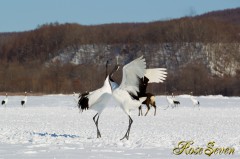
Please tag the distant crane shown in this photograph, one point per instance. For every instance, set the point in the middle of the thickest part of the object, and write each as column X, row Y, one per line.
column 5, row 100
column 176, row 102
column 170, row 102
column 24, row 100
column 194, row 101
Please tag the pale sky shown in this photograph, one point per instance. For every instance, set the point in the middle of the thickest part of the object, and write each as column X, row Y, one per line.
column 23, row 15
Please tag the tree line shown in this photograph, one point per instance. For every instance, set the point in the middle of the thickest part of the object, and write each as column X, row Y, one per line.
column 44, row 42
column 68, row 78
column 23, row 55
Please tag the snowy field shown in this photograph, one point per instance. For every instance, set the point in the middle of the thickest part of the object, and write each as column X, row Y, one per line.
column 52, row 127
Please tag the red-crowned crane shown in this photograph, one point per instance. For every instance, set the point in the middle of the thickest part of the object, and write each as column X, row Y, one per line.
column 170, row 102
column 176, row 102
column 24, row 100
column 126, row 94
column 97, row 100
column 195, row 101
column 5, row 100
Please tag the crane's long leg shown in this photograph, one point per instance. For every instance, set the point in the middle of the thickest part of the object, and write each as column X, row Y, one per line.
column 96, row 123
column 129, row 128
column 140, row 110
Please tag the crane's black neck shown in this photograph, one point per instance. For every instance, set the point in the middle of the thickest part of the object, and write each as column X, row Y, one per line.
column 106, row 69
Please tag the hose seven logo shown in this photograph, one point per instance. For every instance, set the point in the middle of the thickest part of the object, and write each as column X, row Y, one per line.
column 185, row 147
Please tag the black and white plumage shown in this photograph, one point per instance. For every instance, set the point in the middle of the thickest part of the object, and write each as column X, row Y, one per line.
column 5, row 100
column 176, row 102
column 96, row 100
column 195, row 101
column 83, row 101
column 24, row 100
column 156, row 75
column 170, row 102
column 126, row 94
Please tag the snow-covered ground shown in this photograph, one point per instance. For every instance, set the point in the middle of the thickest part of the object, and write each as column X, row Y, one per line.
column 52, row 127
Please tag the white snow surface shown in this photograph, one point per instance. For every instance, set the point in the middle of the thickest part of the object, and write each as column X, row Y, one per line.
column 51, row 126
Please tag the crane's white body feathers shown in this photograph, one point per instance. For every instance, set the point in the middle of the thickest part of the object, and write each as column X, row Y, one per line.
column 99, row 98
column 25, row 99
column 132, row 72
column 194, row 101
column 126, row 102
column 170, row 101
column 5, row 100
column 156, row 75
column 101, row 102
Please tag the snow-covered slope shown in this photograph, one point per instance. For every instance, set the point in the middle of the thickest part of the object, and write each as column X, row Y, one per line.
column 52, row 127
column 219, row 58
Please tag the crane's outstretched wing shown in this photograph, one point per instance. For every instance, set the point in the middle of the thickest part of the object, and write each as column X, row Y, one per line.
column 153, row 75
column 156, row 75
column 131, row 74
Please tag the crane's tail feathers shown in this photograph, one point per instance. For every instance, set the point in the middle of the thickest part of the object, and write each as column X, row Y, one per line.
column 83, row 101
column 156, row 75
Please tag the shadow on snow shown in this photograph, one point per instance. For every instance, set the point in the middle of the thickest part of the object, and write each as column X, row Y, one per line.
column 56, row 135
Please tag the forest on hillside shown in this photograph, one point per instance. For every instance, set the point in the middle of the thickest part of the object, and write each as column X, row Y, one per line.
column 23, row 54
